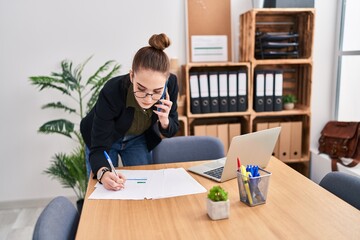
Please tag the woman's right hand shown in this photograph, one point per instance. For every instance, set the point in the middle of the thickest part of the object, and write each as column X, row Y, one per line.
column 112, row 182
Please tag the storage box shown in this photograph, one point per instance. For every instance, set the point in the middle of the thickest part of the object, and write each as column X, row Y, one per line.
column 277, row 21
column 253, row 190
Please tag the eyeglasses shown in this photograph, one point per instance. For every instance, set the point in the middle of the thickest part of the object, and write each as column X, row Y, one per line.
column 141, row 94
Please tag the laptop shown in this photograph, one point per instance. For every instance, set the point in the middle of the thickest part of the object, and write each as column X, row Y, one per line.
column 253, row 149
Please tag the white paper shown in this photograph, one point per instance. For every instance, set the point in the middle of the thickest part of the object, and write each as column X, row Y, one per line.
column 209, row 48
column 151, row 184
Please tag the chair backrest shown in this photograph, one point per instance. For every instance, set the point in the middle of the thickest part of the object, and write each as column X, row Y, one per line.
column 343, row 185
column 188, row 148
column 58, row 220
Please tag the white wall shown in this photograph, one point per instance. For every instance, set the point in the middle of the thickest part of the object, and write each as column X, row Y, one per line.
column 37, row 34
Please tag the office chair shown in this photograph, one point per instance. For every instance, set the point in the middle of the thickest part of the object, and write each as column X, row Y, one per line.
column 188, row 148
column 58, row 220
column 343, row 185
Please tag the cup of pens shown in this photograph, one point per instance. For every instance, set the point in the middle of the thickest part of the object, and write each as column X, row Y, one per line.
column 253, row 185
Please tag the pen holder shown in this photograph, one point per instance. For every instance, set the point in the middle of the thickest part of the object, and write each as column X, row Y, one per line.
column 253, row 190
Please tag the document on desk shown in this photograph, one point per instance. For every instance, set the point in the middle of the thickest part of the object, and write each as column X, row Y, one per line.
column 151, row 184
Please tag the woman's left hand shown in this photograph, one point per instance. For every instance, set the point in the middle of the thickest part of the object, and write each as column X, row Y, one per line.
column 165, row 108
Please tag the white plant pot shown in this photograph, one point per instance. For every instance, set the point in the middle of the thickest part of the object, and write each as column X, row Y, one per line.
column 289, row 106
column 218, row 210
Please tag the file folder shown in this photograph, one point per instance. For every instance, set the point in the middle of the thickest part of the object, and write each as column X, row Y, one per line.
column 194, row 93
column 276, row 148
column 214, row 91
column 242, row 92
column 232, row 91
column 296, row 139
column 200, row 130
column 259, row 93
column 222, row 130
column 204, row 93
column 278, row 88
column 284, row 147
column 269, row 91
column 223, row 92
column 261, row 126
column 211, row 130
column 234, row 130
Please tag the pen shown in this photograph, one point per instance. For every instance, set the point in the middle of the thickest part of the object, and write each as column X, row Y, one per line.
column 110, row 162
column 238, row 164
column 246, row 184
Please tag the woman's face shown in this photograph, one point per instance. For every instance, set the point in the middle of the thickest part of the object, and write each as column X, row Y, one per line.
column 149, row 83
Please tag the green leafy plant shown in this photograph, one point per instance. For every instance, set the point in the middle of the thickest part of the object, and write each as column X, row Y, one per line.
column 81, row 95
column 217, row 194
column 289, row 98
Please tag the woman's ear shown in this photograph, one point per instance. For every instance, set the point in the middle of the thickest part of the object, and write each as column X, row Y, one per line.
column 131, row 73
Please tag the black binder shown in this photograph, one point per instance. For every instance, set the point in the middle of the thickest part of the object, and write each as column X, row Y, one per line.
column 194, row 93
column 269, row 91
column 242, row 91
column 232, row 83
column 259, row 93
column 278, row 87
column 214, row 91
column 204, row 92
column 223, row 92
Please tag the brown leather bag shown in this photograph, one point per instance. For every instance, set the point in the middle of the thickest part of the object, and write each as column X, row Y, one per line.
column 341, row 140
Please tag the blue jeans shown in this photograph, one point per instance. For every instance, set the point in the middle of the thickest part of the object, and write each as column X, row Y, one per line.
column 132, row 149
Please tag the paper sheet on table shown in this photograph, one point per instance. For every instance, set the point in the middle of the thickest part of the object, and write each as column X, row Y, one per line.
column 151, row 184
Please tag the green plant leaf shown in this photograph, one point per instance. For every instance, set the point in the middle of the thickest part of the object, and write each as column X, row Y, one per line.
column 59, row 105
column 60, row 126
column 99, row 82
column 44, row 82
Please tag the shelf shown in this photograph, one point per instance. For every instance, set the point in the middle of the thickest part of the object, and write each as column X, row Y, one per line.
column 299, row 21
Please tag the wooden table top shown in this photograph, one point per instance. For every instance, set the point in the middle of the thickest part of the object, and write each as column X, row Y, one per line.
column 296, row 208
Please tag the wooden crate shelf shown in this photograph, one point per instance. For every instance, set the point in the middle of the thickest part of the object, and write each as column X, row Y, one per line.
column 294, row 20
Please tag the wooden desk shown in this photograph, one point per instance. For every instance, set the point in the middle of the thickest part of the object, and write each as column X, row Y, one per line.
column 296, row 208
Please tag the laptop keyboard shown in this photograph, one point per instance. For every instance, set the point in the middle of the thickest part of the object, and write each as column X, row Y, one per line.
column 215, row 172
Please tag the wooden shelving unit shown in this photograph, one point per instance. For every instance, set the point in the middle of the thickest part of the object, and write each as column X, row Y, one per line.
column 297, row 76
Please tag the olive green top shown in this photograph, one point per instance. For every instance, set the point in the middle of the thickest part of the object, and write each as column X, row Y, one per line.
column 142, row 117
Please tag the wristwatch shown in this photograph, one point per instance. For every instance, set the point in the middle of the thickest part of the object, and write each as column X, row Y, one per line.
column 101, row 174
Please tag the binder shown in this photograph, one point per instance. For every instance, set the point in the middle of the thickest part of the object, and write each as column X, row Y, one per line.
column 261, row 126
column 234, row 130
column 242, row 91
column 232, row 91
column 194, row 93
column 214, row 91
column 284, row 147
column 259, row 93
column 296, row 140
column 211, row 130
column 278, row 88
column 223, row 92
column 275, row 153
column 200, row 130
column 204, row 93
column 222, row 130
column 269, row 91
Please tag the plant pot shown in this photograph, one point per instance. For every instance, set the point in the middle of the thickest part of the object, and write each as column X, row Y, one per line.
column 289, row 106
column 218, row 210
column 79, row 205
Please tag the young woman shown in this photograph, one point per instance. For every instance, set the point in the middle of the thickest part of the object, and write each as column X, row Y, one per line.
column 130, row 114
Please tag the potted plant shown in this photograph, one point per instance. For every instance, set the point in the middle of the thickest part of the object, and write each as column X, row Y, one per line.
column 289, row 101
column 70, row 169
column 218, row 204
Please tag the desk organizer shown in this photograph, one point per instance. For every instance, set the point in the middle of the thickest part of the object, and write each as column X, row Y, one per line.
column 253, row 190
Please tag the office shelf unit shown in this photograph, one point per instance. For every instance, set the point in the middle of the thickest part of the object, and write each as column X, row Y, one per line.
column 296, row 68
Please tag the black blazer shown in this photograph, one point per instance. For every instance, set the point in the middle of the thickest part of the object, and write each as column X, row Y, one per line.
column 110, row 119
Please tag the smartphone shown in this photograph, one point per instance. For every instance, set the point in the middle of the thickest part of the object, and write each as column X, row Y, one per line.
column 163, row 96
